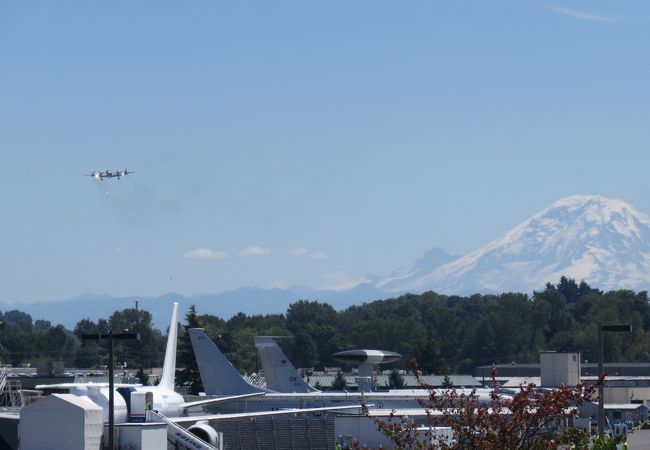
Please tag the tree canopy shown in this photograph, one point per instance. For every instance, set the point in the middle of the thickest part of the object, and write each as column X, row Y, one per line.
column 443, row 333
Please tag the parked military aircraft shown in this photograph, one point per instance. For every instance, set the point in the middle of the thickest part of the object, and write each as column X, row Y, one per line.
column 220, row 377
column 279, row 372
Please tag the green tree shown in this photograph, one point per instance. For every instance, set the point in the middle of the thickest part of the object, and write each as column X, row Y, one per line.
column 142, row 376
column 42, row 325
column 190, row 374
column 17, row 339
column 317, row 336
column 57, row 343
column 149, row 350
column 395, row 380
column 339, row 383
column 89, row 353
column 19, row 318
column 429, row 357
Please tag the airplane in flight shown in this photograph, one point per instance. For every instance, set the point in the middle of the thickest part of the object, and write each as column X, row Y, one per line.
column 166, row 402
column 220, row 377
column 99, row 175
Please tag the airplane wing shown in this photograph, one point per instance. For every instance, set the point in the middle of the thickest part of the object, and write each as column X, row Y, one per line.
column 258, row 414
column 217, row 400
column 89, row 384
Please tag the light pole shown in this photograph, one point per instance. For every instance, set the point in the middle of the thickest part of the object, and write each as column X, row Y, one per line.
column 126, row 330
column 601, row 372
column 111, row 337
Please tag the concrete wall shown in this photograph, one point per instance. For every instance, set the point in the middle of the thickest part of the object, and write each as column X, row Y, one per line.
column 627, row 394
column 362, row 429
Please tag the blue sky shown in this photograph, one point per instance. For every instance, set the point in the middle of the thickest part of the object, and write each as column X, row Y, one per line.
column 298, row 142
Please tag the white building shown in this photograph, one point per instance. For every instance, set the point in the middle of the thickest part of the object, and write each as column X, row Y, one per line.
column 61, row 421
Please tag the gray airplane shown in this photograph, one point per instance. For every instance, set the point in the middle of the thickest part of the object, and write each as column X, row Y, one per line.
column 99, row 175
column 280, row 374
column 220, row 377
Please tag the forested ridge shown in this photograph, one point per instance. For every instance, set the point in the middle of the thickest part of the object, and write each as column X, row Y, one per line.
column 446, row 334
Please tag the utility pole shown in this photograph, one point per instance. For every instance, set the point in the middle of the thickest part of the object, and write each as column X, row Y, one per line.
column 111, row 386
column 601, row 372
column 124, row 355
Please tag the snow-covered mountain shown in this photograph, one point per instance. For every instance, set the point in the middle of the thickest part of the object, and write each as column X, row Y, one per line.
column 586, row 237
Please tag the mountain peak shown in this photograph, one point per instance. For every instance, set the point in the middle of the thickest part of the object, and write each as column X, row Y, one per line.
column 431, row 259
column 597, row 207
column 587, row 237
column 581, row 199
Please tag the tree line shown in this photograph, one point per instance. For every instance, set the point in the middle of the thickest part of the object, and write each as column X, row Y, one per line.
column 25, row 342
column 445, row 334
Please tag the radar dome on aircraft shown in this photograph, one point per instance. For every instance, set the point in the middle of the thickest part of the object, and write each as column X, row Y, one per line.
column 366, row 357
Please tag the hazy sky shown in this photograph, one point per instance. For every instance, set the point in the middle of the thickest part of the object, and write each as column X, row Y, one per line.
column 300, row 142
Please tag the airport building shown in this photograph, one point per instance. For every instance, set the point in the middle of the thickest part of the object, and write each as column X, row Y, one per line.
column 625, row 383
column 625, row 397
column 586, row 369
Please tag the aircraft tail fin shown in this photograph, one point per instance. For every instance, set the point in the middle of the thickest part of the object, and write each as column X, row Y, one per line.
column 280, row 374
column 218, row 374
column 169, row 366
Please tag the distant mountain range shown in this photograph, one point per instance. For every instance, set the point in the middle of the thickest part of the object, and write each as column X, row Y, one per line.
column 586, row 237
column 250, row 300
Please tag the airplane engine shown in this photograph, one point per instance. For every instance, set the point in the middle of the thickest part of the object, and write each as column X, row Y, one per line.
column 205, row 432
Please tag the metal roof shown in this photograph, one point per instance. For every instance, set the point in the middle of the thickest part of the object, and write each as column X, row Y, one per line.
column 521, row 381
column 382, row 381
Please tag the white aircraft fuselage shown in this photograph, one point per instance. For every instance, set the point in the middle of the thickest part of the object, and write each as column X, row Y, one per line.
column 166, row 402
